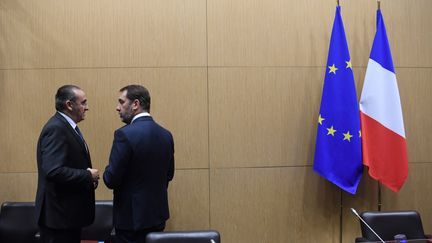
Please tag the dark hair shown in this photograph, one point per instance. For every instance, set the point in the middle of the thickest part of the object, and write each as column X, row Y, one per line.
column 140, row 93
column 65, row 93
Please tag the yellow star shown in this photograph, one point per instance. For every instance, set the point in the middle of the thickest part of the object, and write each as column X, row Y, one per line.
column 331, row 131
column 333, row 69
column 320, row 119
column 349, row 64
column 347, row 136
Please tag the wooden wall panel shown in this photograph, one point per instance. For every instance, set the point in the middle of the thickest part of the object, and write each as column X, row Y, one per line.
column 267, row 33
column 263, row 116
column 102, row 33
column 415, row 88
column 18, row 187
column 414, row 195
column 27, row 102
column 178, row 103
column 189, row 200
column 409, row 29
column 271, row 33
column 284, row 33
column 273, row 205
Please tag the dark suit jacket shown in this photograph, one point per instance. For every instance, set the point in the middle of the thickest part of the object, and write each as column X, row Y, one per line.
column 65, row 196
column 141, row 164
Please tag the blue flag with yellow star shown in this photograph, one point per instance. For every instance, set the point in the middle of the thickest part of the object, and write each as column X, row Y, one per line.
column 338, row 155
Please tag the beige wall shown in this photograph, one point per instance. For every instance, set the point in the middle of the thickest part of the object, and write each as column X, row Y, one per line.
column 238, row 82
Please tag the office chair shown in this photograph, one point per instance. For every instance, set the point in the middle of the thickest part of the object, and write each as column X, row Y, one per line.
column 102, row 227
column 204, row 236
column 18, row 222
column 387, row 224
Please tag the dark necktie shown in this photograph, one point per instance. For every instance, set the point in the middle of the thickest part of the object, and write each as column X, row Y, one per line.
column 79, row 132
column 81, row 136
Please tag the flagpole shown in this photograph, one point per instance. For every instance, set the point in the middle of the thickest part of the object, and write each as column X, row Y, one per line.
column 341, row 215
column 379, row 196
column 337, row 2
column 379, row 4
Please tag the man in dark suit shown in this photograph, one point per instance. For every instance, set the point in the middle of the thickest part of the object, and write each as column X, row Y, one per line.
column 141, row 164
column 65, row 198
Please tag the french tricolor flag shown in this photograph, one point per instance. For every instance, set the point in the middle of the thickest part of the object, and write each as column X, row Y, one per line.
column 382, row 127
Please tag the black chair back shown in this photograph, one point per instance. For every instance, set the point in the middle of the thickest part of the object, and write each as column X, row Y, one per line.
column 387, row 224
column 102, row 226
column 18, row 222
column 204, row 236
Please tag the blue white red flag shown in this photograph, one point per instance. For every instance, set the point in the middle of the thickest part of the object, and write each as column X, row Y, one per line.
column 383, row 133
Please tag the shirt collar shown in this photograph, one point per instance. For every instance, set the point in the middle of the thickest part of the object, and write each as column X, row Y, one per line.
column 140, row 115
column 68, row 119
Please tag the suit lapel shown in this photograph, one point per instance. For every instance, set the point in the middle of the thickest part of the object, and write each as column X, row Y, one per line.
column 75, row 135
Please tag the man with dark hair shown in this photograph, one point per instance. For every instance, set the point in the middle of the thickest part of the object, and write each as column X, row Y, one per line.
column 65, row 198
column 141, row 165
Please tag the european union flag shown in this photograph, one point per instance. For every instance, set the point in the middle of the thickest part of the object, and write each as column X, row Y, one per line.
column 338, row 155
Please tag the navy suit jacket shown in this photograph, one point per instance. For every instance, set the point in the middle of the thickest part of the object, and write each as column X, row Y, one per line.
column 65, row 195
column 141, row 164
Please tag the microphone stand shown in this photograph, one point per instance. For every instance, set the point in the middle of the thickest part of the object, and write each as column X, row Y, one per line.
column 358, row 216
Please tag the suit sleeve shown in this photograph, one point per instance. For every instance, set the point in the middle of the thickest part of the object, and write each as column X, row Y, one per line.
column 54, row 149
column 171, row 167
column 119, row 158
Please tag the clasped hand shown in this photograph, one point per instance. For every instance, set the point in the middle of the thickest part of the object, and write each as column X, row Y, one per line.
column 95, row 176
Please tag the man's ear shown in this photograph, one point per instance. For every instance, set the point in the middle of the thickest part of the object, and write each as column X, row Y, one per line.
column 136, row 104
column 69, row 105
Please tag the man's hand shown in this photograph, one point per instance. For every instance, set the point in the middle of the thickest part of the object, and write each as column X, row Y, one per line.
column 94, row 173
column 95, row 184
column 95, row 176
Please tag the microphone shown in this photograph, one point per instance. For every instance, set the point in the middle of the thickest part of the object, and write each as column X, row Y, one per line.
column 358, row 216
